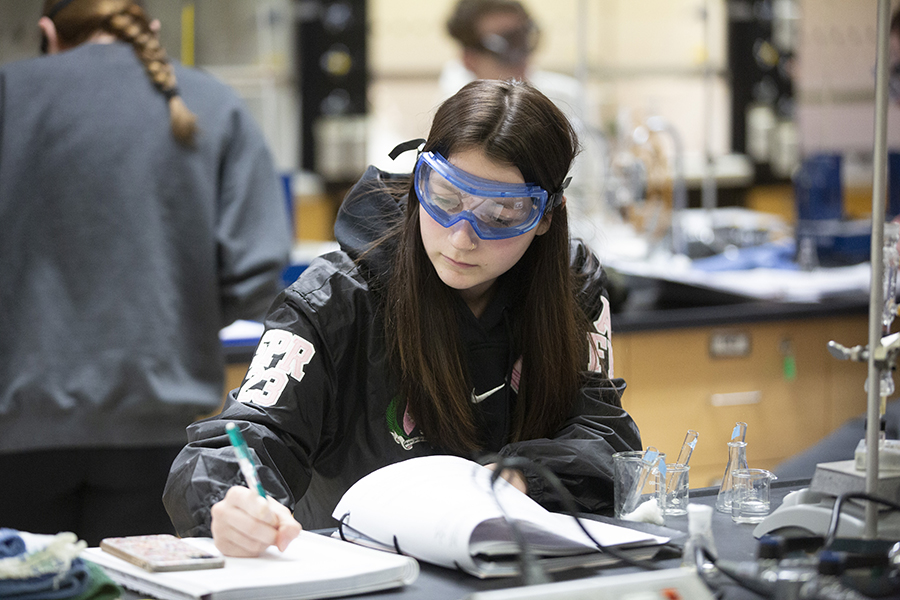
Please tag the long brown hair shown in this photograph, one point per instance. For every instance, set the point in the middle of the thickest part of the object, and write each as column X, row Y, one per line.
column 511, row 122
column 76, row 21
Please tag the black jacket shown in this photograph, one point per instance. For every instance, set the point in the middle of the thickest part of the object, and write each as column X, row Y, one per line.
column 320, row 410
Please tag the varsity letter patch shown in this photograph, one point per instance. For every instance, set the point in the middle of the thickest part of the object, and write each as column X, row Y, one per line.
column 280, row 355
column 600, row 344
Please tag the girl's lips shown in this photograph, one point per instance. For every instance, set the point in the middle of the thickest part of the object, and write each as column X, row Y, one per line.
column 455, row 263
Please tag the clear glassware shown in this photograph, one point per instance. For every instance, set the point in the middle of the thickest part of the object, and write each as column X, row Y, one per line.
column 737, row 459
column 886, row 384
column 891, row 267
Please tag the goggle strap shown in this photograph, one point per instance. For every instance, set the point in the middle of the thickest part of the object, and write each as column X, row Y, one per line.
column 405, row 147
column 556, row 198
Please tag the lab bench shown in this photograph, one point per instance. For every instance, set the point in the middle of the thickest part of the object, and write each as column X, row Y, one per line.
column 764, row 363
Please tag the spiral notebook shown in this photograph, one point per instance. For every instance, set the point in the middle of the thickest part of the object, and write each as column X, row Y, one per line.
column 441, row 509
column 313, row 566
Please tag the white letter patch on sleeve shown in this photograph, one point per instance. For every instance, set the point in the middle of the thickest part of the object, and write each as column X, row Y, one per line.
column 600, row 343
column 280, row 355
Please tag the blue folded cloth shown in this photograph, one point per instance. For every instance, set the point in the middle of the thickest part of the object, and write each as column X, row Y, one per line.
column 53, row 586
column 11, row 543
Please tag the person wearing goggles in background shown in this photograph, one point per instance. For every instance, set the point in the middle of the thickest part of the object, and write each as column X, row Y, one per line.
column 497, row 37
column 500, row 39
column 457, row 318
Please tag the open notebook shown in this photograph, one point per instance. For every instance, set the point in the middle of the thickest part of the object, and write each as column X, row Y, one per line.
column 441, row 509
column 313, row 566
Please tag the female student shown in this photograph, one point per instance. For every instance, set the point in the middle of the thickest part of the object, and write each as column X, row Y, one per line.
column 451, row 322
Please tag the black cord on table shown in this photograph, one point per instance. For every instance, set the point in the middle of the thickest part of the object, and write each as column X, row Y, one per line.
column 528, row 560
column 839, row 504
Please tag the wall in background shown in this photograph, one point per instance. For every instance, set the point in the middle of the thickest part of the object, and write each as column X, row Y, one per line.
column 636, row 58
column 835, row 78
column 247, row 43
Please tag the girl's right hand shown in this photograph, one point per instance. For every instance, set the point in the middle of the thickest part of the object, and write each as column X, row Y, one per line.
column 245, row 524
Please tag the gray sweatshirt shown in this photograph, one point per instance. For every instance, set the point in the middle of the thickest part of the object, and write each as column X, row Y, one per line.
column 123, row 253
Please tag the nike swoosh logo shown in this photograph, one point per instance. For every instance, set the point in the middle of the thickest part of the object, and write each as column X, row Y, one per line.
column 477, row 398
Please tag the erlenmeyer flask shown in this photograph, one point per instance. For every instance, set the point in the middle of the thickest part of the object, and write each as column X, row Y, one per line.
column 737, row 459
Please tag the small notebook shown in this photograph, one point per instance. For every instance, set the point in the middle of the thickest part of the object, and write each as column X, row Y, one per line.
column 313, row 566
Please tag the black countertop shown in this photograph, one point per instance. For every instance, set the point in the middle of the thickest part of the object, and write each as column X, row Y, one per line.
column 727, row 314
column 655, row 305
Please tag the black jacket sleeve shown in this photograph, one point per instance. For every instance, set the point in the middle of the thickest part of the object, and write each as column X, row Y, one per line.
column 580, row 453
column 207, row 467
column 284, row 431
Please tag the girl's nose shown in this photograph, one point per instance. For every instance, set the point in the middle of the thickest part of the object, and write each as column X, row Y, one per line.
column 463, row 236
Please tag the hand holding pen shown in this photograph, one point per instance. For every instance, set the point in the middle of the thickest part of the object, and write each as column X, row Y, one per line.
column 248, row 469
column 247, row 520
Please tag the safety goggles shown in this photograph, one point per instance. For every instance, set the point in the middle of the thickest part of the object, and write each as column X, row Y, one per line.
column 511, row 47
column 494, row 209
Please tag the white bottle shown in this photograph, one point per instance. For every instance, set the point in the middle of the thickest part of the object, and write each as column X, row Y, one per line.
column 699, row 533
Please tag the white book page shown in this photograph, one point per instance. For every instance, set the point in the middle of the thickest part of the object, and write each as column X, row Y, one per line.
column 433, row 504
column 431, row 507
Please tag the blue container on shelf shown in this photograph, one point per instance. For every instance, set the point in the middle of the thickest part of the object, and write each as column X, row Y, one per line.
column 893, row 203
column 819, row 197
column 818, row 188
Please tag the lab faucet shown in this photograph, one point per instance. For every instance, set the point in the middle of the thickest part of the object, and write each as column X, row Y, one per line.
column 658, row 124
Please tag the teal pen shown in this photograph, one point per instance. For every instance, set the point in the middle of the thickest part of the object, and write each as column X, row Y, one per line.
column 243, row 457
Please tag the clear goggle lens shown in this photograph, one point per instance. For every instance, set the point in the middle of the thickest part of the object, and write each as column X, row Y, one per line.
column 496, row 210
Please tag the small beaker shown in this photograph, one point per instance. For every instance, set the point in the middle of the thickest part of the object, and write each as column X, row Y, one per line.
column 750, row 495
column 674, row 489
column 634, row 480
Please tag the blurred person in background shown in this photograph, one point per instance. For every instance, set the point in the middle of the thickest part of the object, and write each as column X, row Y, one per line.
column 140, row 213
column 497, row 40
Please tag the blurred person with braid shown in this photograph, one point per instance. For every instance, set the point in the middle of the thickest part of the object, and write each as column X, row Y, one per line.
column 140, row 212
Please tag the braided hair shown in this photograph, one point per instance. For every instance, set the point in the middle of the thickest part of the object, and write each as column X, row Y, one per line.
column 77, row 20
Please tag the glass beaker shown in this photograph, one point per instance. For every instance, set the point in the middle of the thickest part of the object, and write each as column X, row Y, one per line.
column 635, row 479
column 673, row 489
column 750, row 495
column 737, row 459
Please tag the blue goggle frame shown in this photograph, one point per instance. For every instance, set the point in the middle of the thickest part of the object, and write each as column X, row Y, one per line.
column 486, row 189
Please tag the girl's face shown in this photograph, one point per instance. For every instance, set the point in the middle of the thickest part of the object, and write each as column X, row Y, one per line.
column 464, row 261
